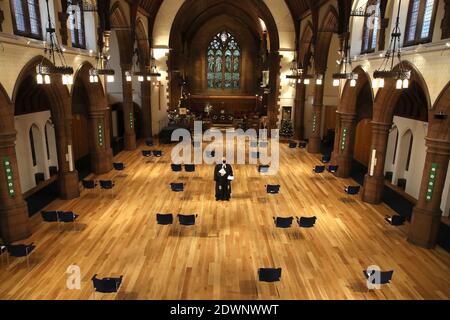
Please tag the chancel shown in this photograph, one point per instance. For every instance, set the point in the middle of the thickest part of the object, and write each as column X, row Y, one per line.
column 194, row 149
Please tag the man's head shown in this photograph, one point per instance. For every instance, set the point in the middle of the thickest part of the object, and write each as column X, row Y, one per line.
column 224, row 160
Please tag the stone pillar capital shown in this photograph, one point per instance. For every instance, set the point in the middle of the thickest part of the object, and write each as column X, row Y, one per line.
column 437, row 147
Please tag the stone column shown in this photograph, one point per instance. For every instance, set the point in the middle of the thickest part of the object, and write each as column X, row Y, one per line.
column 101, row 152
column 426, row 217
column 300, row 111
column 346, row 144
column 128, row 110
column 315, row 138
column 337, row 140
column 146, row 109
column 67, row 175
column 13, row 209
column 374, row 183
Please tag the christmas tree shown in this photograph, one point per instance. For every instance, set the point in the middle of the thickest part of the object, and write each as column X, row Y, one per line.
column 287, row 129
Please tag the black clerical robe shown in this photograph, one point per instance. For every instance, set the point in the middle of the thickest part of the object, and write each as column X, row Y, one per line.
column 223, row 185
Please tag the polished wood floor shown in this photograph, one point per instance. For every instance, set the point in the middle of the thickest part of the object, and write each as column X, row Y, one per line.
column 219, row 260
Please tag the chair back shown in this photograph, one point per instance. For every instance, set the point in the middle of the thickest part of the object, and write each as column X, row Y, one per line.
column 269, row 274
column 68, row 216
column 283, row 222
column 89, row 184
column 319, row 169
column 385, row 276
column 118, row 166
column 333, row 169
column 157, row 153
column 106, row 285
column 164, row 219
column 273, row 188
column 189, row 167
column 187, row 220
column 353, row 190
column 307, row 222
column 177, row 187
column 147, row 153
column 292, row 145
column 326, row 158
column 106, row 184
column 20, row 250
column 176, row 167
column 263, row 168
column 49, row 216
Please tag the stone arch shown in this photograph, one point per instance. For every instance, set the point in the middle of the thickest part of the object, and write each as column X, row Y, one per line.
column 350, row 94
column 305, row 45
column 327, row 29
column 120, row 23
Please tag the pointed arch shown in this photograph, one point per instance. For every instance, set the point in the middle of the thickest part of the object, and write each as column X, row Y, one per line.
column 119, row 22
column 350, row 94
column 328, row 28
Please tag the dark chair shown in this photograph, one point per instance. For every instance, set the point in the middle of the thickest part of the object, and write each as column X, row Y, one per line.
column 164, row 219
column 333, row 169
column 263, row 168
column 149, row 142
column 352, row 190
column 326, row 158
column 89, row 184
column 306, row 222
column 188, row 221
column 157, row 153
column 273, row 188
column 395, row 220
column 118, row 166
column 107, row 185
column 302, row 145
column 189, row 167
column 68, row 217
column 292, row 145
column 147, row 153
column 21, row 250
column 177, row 187
column 319, row 169
column 106, row 285
column 385, row 277
column 269, row 274
column 176, row 167
column 283, row 222
column 50, row 216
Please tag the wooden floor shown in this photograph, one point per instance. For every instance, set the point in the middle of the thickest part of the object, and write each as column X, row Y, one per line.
column 118, row 236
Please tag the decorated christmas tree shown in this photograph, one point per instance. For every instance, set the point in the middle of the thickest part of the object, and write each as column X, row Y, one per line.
column 287, row 129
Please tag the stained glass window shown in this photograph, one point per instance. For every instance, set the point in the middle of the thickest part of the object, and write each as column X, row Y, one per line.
column 224, row 62
column 371, row 26
column 419, row 28
column 76, row 21
column 26, row 18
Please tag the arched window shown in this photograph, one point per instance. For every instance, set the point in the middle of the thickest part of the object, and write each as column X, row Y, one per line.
column 371, row 26
column 76, row 23
column 26, row 18
column 33, row 148
column 420, row 23
column 46, row 142
column 224, row 62
column 408, row 160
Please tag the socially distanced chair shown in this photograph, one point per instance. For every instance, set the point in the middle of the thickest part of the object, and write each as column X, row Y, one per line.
column 157, row 153
column 106, row 285
column 149, row 142
column 395, row 220
column 283, row 223
column 306, row 222
column 319, row 169
column 147, row 153
column 118, row 166
column 89, row 184
column 176, row 167
column 333, row 169
column 188, row 220
column 384, row 277
column 50, row 216
column 164, row 219
column 269, row 275
column 263, row 168
column 292, row 145
column 326, row 158
column 21, row 250
column 107, row 185
column 273, row 188
column 177, row 187
column 302, row 145
column 352, row 190
column 189, row 167
column 68, row 217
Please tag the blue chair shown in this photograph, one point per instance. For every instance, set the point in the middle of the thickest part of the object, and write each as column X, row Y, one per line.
column 106, row 285
column 176, row 167
column 333, row 169
column 302, row 145
column 147, row 153
column 107, row 185
column 149, row 142
column 89, row 184
column 306, row 222
column 283, row 223
column 273, row 188
column 164, row 219
column 188, row 221
column 326, row 158
column 68, row 217
column 385, row 277
column 319, row 169
column 395, row 220
column 263, row 168
column 21, row 250
column 352, row 190
column 157, row 153
column 292, row 145
column 177, row 187
column 269, row 274
column 189, row 167
column 118, row 166
column 50, row 216
column 256, row 155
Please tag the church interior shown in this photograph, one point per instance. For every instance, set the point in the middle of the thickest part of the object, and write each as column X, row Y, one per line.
column 353, row 94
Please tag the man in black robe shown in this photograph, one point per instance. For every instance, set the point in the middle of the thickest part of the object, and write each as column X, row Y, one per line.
column 223, row 174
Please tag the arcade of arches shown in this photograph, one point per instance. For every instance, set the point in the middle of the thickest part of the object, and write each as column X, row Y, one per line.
column 224, row 63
